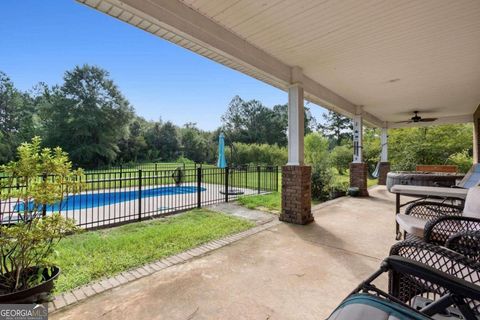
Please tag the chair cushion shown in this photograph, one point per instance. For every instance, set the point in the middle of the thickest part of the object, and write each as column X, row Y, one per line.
column 412, row 225
column 368, row 307
column 472, row 203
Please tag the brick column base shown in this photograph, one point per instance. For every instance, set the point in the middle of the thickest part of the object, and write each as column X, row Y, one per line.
column 383, row 169
column 358, row 177
column 296, row 194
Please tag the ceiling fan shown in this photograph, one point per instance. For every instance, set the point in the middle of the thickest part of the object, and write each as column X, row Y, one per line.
column 416, row 118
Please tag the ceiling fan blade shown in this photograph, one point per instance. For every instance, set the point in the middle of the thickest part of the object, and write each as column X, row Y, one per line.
column 427, row 119
column 406, row 121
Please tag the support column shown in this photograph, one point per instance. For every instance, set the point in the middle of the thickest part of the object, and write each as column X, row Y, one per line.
column 476, row 136
column 358, row 168
column 295, row 125
column 384, row 166
column 296, row 177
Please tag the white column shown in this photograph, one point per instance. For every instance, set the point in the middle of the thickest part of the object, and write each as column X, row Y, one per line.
column 476, row 136
column 358, row 136
column 295, row 125
column 384, row 145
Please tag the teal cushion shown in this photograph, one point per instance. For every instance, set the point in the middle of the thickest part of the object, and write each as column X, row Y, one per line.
column 368, row 307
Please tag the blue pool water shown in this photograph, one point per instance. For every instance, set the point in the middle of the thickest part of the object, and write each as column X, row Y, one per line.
column 98, row 199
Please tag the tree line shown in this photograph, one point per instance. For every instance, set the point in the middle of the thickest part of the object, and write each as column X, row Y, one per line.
column 89, row 117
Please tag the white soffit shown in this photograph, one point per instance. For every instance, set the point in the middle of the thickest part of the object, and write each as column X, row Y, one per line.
column 391, row 57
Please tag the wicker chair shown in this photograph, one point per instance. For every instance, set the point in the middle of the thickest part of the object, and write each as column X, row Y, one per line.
column 466, row 243
column 426, row 282
column 414, row 290
column 436, row 222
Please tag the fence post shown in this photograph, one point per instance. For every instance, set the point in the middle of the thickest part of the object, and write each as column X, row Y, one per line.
column 44, row 205
column 258, row 179
column 156, row 175
column 140, row 195
column 184, row 166
column 226, row 183
column 246, row 176
column 199, row 187
column 276, row 179
column 121, row 176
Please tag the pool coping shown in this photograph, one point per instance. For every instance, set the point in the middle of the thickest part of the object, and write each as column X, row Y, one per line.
column 79, row 294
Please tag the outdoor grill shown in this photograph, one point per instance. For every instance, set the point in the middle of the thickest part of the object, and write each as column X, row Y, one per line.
column 422, row 178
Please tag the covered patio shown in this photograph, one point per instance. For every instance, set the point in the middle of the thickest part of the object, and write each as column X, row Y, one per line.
column 376, row 61
column 284, row 272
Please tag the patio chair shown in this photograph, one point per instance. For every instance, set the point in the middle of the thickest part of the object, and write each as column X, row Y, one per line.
column 408, row 278
column 436, row 222
column 435, row 296
column 466, row 243
column 470, row 180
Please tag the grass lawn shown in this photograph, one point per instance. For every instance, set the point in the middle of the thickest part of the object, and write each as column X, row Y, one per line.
column 346, row 178
column 88, row 256
column 272, row 202
column 109, row 179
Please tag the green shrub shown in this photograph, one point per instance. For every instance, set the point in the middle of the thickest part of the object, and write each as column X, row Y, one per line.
column 409, row 147
column 339, row 185
column 321, row 182
column 317, row 155
column 461, row 159
column 257, row 154
column 340, row 158
column 185, row 160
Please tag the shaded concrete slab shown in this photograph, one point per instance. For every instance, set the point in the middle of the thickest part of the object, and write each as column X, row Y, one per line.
column 284, row 272
column 239, row 211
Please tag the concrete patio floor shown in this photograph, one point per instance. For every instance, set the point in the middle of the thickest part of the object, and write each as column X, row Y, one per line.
column 285, row 272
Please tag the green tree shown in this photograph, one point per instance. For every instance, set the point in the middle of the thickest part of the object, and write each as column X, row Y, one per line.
column 340, row 158
column 281, row 112
column 337, row 128
column 168, row 141
column 316, row 148
column 252, row 122
column 16, row 118
column 88, row 116
column 193, row 142
column 133, row 147
column 462, row 160
column 428, row 145
column 371, row 147
column 153, row 139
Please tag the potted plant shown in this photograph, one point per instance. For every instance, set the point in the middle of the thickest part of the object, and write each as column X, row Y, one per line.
column 39, row 179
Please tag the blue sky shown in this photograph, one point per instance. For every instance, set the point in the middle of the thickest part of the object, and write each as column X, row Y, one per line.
column 40, row 39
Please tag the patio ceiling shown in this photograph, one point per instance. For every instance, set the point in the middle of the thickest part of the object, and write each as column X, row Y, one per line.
column 391, row 57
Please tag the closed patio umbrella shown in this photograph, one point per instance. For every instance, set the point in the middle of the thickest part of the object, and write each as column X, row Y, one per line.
column 222, row 162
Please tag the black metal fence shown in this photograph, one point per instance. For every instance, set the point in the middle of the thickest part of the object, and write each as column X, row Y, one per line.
column 114, row 197
column 150, row 166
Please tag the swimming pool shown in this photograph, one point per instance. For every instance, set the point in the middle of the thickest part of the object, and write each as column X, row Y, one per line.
column 92, row 200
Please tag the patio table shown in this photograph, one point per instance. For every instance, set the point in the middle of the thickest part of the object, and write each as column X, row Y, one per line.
column 423, row 193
